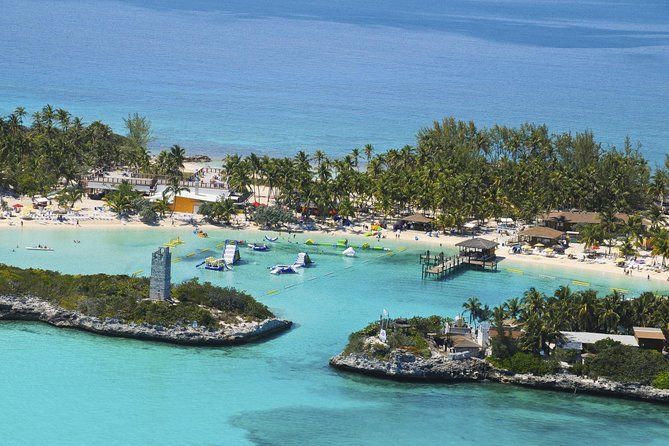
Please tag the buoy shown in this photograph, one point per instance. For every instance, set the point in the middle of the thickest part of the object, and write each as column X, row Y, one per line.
column 578, row 282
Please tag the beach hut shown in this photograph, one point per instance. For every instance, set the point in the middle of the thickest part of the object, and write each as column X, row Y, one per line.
column 477, row 248
column 464, row 344
column 418, row 222
column 649, row 338
column 541, row 235
column 567, row 221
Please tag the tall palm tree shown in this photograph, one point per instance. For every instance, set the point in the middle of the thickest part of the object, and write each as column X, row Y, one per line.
column 587, row 309
column 608, row 221
column 512, row 307
column 177, row 156
column 121, row 200
column 473, row 306
column 174, row 188
column 590, row 235
column 660, row 244
column 656, row 216
column 369, row 151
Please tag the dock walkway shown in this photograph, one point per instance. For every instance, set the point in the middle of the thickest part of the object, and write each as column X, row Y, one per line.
column 439, row 266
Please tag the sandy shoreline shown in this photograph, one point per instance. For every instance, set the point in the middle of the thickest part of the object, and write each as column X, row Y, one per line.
column 88, row 218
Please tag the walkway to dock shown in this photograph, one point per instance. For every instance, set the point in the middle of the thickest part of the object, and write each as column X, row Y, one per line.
column 439, row 266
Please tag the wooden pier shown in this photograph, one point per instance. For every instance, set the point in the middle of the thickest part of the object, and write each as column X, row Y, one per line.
column 478, row 253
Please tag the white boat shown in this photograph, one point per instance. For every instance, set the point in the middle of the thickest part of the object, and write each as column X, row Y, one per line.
column 38, row 248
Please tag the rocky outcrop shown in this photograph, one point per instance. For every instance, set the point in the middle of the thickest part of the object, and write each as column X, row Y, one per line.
column 198, row 159
column 407, row 366
column 577, row 384
column 34, row 309
column 401, row 365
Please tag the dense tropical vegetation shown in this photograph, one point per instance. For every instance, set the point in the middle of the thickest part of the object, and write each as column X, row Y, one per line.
column 124, row 297
column 540, row 319
column 455, row 172
column 543, row 317
column 458, row 172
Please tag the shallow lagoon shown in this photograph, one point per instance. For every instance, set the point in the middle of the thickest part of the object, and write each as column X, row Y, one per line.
column 68, row 387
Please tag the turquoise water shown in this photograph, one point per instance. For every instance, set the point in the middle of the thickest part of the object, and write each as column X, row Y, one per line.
column 67, row 387
column 275, row 77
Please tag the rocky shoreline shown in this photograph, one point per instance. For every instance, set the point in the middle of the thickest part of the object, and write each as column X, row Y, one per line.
column 405, row 366
column 34, row 309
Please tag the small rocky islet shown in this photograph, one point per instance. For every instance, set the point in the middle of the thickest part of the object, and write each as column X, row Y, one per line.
column 196, row 314
column 367, row 354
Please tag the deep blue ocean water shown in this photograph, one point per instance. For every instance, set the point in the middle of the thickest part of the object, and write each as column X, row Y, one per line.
column 68, row 387
column 275, row 77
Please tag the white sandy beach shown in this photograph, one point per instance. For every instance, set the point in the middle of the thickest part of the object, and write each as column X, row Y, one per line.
column 88, row 217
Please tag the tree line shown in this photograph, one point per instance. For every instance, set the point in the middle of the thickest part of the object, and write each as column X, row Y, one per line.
column 455, row 171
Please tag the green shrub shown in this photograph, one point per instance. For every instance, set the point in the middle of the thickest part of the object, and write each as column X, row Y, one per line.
column 560, row 354
column 503, row 347
column 578, row 369
column 661, row 381
column 522, row 362
column 627, row 364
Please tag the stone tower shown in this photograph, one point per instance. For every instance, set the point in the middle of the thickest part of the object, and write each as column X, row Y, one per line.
column 161, row 274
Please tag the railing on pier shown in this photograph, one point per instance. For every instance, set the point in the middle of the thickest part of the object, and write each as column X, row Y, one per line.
column 439, row 266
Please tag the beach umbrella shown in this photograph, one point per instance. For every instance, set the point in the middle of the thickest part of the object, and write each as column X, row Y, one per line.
column 620, row 260
column 17, row 205
column 595, row 247
column 548, row 250
column 539, row 245
column 527, row 247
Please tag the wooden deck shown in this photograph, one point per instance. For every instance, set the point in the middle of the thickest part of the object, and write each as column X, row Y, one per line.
column 439, row 266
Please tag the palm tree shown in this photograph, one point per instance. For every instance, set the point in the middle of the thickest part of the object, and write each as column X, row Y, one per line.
column 473, row 306
column 319, row 157
column 587, row 308
column 355, row 154
column 177, row 156
column 634, row 229
column 608, row 222
column 174, row 188
column 512, row 307
column 498, row 314
column 532, row 304
column 590, row 235
column 121, row 200
column 162, row 205
column 656, row 216
column 660, row 244
column 609, row 309
column 369, row 150
column 627, row 249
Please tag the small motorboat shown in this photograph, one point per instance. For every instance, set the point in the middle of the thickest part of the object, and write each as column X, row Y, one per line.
column 271, row 239
column 38, row 248
column 258, row 247
column 283, row 269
